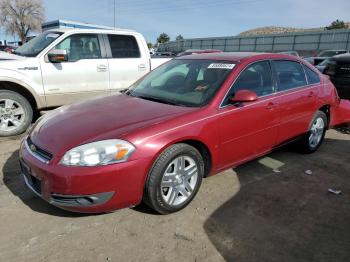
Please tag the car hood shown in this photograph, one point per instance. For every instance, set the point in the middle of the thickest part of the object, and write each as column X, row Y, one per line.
column 8, row 56
column 99, row 119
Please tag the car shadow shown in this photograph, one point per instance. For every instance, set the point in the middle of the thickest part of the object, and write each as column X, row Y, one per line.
column 13, row 180
column 285, row 213
column 344, row 129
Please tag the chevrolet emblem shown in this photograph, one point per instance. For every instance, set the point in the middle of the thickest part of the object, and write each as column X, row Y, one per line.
column 33, row 148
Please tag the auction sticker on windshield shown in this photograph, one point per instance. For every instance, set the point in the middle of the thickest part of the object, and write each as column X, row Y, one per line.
column 221, row 66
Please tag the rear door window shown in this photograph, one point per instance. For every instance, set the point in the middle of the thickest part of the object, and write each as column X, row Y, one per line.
column 290, row 74
column 124, row 46
column 312, row 77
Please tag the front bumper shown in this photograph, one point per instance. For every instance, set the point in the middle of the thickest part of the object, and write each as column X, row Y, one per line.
column 85, row 189
column 67, row 200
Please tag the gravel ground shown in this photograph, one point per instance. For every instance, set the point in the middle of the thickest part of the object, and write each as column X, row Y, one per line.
column 266, row 210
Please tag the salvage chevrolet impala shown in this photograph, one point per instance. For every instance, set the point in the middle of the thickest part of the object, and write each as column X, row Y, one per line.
column 192, row 117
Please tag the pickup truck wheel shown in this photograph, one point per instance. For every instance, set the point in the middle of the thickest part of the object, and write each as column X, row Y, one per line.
column 174, row 179
column 314, row 137
column 16, row 113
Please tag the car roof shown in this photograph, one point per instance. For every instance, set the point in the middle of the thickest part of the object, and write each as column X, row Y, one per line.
column 96, row 31
column 237, row 56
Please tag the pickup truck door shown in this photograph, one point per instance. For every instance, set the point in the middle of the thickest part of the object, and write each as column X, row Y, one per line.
column 127, row 60
column 84, row 74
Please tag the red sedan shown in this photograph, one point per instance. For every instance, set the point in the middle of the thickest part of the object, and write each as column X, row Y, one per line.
column 192, row 117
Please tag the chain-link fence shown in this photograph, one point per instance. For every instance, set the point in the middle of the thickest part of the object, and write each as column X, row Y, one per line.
column 306, row 43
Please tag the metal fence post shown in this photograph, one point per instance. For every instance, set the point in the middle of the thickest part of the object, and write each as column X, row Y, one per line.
column 293, row 45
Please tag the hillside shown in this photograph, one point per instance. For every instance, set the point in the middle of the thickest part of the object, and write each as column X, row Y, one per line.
column 279, row 30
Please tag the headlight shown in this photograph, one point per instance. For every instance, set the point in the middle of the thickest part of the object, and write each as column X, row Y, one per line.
column 99, row 153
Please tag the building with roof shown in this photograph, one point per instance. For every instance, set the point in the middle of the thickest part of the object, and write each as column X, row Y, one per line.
column 55, row 24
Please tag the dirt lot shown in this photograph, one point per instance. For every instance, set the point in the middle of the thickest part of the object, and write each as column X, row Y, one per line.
column 250, row 214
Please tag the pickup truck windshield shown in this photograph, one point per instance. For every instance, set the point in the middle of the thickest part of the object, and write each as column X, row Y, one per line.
column 37, row 44
column 183, row 82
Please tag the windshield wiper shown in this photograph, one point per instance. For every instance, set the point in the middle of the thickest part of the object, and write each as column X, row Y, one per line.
column 124, row 91
column 155, row 99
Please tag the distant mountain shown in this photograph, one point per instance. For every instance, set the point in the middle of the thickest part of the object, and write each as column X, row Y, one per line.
column 266, row 30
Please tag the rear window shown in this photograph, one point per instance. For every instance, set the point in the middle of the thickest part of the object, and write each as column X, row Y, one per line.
column 124, row 46
column 290, row 75
column 312, row 77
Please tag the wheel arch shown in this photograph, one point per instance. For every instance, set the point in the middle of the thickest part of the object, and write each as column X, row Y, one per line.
column 20, row 89
column 327, row 110
column 198, row 144
column 203, row 150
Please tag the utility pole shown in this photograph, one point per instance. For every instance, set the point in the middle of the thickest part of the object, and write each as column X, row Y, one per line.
column 114, row 15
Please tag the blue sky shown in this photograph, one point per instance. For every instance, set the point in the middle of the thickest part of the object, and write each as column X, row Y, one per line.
column 199, row 18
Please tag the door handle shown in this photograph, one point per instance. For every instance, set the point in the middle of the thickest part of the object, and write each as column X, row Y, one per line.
column 101, row 68
column 142, row 67
column 271, row 106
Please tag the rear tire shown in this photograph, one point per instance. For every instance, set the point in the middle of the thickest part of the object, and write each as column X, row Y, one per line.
column 313, row 139
column 174, row 179
column 16, row 114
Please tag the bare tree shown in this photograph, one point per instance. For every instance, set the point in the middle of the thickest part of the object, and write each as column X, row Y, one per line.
column 19, row 17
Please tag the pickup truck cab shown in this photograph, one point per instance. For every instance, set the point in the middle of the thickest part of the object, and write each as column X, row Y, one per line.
column 67, row 65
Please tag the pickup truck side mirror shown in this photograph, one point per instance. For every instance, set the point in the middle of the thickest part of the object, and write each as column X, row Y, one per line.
column 57, row 56
column 244, row 96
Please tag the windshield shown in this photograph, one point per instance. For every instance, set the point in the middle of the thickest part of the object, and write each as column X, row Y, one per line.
column 183, row 82
column 37, row 44
column 324, row 62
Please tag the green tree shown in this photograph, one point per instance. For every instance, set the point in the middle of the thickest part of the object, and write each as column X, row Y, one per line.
column 179, row 38
column 337, row 24
column 150, row 45
column 163, row 38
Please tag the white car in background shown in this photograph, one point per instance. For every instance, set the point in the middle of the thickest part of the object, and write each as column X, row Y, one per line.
column 67, row 65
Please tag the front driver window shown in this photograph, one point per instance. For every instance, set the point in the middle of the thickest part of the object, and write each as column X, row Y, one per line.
column 256, row 77
column 81, row 46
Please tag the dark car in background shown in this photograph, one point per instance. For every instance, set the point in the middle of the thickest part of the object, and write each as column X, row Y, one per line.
column 338, row 70
column 6, row 48
column 323, row 65
column 323, row 55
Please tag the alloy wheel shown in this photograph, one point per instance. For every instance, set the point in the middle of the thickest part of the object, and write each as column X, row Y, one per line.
column 12, row 115
column 179, row 180
column 316, row 132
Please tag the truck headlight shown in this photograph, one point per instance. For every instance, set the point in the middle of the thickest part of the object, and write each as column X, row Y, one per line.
column 98, row 153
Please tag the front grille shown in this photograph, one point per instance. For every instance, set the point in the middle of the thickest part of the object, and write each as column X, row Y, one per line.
column 37, row 151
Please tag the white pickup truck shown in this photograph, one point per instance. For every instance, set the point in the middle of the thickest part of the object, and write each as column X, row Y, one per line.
column 67, row 65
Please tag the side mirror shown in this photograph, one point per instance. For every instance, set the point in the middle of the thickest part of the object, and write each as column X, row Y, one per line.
column 57, row 56
column 244, row 96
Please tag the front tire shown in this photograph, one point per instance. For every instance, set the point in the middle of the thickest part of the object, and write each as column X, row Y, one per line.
column 174, row 179
column 16, row 113
column 313, row 139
